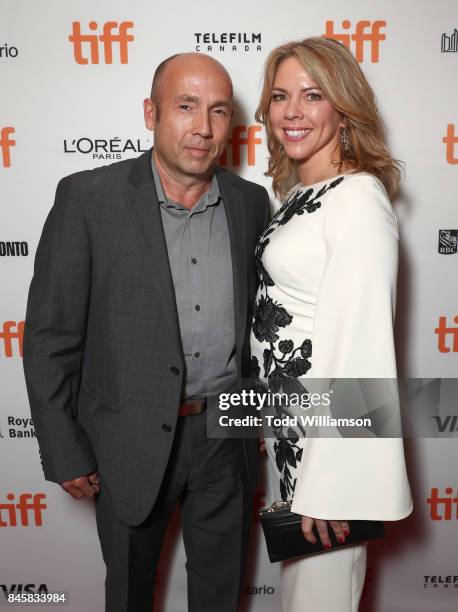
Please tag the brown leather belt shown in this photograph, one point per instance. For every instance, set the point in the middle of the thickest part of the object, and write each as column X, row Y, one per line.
column 190, row 407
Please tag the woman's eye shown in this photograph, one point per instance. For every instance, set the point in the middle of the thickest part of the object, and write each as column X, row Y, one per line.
column 313, row 97
column 278, row 97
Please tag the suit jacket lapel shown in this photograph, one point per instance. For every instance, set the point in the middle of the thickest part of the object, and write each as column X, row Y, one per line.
column 234, row 204
column 145, row 209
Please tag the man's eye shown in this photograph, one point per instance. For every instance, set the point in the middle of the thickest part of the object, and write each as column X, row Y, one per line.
column 184, row 106
column 220, row 111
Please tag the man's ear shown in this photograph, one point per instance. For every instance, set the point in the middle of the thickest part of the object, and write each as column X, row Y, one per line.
column 149, row 113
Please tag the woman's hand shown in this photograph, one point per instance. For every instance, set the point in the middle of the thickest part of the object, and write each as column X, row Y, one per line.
column 341, row 529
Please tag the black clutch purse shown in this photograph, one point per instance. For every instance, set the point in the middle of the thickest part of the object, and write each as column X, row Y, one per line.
column 284, row 537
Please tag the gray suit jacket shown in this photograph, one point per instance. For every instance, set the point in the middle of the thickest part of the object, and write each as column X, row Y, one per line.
column 102, row 352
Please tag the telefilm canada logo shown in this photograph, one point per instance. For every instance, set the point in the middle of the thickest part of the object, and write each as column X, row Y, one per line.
column 228, row 41
column 449, row 43
column 106, row 148
column 441, row 581
column 448, row 239
column 9, row 248
column 8, row 51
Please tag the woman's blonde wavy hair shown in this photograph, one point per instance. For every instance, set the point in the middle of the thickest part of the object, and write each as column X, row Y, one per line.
column 336, row 72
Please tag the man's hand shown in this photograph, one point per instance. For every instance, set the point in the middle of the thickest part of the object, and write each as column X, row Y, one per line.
column 84, row 486
column 341, row 529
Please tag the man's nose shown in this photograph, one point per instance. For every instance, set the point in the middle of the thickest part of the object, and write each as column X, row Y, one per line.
column 202, row 125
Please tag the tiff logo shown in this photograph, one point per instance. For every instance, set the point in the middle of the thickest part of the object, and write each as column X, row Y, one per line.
column 449, row 44
column 14, row 511
column 443, row 331
column 237, row 140
column 5, row 144
column 446, row 503
column 365, row 32
column 107, row 38
column 8, row 335
column 450, row 141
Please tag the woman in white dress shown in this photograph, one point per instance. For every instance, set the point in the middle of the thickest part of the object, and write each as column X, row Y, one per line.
column 327, row 267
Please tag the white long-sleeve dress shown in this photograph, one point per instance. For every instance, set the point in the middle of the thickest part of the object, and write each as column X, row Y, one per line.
column 325, row 309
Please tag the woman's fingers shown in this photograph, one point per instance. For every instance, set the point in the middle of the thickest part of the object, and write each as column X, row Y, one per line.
column 345, row 527
column 307, row 524
column 322, row 527
column 338, row 530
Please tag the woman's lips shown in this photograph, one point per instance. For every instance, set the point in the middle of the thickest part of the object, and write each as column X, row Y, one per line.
column 293, row 135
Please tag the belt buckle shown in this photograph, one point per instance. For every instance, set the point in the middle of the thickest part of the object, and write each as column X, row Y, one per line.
column 192, row 407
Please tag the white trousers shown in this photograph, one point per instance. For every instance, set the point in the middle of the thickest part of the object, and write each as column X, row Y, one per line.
column 327, row 582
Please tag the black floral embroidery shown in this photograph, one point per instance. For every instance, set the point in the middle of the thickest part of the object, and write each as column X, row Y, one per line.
column 268, row 317
column 283, row 363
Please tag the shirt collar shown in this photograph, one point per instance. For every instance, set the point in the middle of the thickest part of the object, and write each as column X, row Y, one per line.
column 209, row 198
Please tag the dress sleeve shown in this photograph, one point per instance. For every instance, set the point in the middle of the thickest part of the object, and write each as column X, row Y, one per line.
column 355, row 478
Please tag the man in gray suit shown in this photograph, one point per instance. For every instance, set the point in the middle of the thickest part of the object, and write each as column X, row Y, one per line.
column 141, row 301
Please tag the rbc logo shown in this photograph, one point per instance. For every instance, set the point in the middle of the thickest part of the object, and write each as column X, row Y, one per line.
column 365, row 32
column 107, row 38
column 5, row 144
column 236, row 141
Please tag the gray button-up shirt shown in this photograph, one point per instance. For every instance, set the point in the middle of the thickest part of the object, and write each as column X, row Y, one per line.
column 200, row 260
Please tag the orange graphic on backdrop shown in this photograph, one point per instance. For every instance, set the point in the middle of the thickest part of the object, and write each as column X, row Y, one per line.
column 18, row 514
column 443, row 331
column 8, row 334
column 365, row 32
column 112, row 33
column 5, row 144
column 444, row 503
column 450, row 140
column 239, row 140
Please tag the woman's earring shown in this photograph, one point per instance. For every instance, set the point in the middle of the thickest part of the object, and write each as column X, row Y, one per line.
column 344, row 139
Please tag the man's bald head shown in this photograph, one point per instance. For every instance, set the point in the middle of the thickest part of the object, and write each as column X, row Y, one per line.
column 184, row 61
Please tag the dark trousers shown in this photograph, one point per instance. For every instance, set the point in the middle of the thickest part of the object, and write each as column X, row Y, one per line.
column 208, row 478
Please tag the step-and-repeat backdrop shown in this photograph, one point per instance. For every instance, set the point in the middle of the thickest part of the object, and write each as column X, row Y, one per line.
column 73, row 77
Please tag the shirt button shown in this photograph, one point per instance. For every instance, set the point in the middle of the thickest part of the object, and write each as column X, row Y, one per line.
column 197, row 354
column 166, row 428
column 174, row 370
column 197, row 307
column 194, row 260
